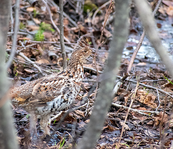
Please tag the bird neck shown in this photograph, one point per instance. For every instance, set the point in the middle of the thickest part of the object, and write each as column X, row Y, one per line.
column 76, row 72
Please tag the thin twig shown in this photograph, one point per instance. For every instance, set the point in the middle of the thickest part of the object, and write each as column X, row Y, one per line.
column 53, row 23
column 105, row 20
column 66, row 113
column 152, row 32
column 21, row 33
column 33, row 63
column 136, row 51
column 142, row 112
column 158, row 99
column 12, row 20
column 132, row 99
column 148, row 86
column 161, row 123
column 94, row 59
column 52, row 3
column 62, row 35
column 102, row 6
column 140, row 41
column 13, row 49
column 153, row 80
column 50, row 42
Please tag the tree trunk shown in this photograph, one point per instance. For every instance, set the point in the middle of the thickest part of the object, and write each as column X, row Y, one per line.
column 8, row 140
column 104, row 98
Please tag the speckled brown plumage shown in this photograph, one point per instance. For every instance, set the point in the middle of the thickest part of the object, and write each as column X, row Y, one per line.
column 55, row 92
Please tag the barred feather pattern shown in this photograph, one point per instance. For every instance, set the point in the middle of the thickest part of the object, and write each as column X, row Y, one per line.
column 55, row 92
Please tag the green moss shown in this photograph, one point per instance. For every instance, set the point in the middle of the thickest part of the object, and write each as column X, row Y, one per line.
column 46, row 27
column 39, row 36
column 21, row 26
column 89, row 6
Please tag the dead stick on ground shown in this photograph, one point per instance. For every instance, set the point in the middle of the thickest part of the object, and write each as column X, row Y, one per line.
column 140, row 41
column 33, row 63
column 132, row 99
column 142, row 112
column 148, row 86
column 161, row 123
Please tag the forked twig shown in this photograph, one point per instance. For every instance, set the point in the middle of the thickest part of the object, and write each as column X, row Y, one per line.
column 53, row 23
column 107, row 3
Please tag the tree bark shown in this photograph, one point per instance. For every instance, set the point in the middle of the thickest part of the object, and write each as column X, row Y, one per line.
column 8, row 140
column 152, row 33
column 62, row 35
column 104, row 98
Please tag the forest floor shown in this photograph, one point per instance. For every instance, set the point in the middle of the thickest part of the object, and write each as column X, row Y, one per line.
column 148, row 87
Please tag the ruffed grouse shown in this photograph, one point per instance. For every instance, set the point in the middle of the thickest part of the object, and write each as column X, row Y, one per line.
column 54, row 92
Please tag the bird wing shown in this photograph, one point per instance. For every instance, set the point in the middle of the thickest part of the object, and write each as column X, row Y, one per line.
column 39, row 91
column 48, row 89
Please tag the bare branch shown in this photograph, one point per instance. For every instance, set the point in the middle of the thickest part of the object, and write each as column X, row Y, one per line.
column 107, row 3
column 104, row 98
column 52, row 3
column 13, row 49
column 6, row 121
column 140, row 41
column 142, row 112
column 34, row 64
column 150, row 28
column 62, row 35
column 47, row 7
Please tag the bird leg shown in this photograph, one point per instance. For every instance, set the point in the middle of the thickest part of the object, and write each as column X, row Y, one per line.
column 33, row 130
column 44, row 125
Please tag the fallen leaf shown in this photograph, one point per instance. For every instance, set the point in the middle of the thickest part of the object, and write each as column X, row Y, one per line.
column 168, row 3
column 107, row 33
column 24, row 38
column 42, row 61
column 126, row 127
column 36, row 21
column 82, row 29
column 32, row 27
column 29, row 70
column 30, row 9
column 141, row 64
column 146, row 98
column 169, row 11
column 79, row 112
